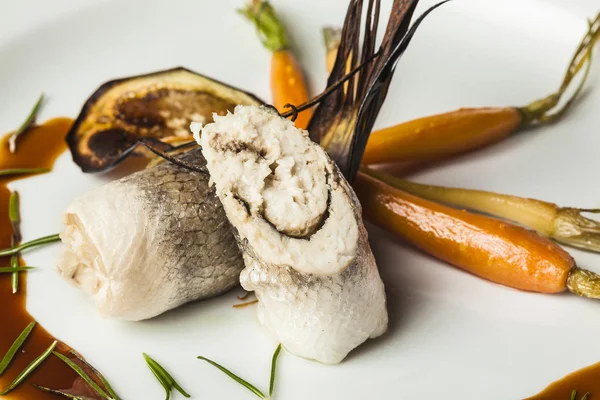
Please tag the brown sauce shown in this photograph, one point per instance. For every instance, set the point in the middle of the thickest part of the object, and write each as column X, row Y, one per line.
column 38, row 148
column 585, row 380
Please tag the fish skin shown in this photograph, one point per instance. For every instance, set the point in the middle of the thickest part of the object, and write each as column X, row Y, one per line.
column 185, row 250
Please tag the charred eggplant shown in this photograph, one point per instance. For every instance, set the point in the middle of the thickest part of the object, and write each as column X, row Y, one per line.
column 158, row 106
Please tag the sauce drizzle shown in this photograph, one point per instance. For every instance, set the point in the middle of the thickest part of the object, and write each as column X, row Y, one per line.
column 584, row 380
column 38, row 148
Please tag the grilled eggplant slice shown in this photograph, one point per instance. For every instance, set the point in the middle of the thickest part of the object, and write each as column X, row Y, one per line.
column 158, row 106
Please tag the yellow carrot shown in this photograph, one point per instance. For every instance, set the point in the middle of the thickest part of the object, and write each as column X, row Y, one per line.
column 566, row 225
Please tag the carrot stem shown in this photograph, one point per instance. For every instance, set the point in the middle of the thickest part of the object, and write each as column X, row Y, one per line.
column 540, row 112
column 270, row 30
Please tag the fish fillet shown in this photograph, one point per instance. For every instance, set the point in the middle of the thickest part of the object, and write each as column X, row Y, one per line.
column 299, row 227
column 150, row 242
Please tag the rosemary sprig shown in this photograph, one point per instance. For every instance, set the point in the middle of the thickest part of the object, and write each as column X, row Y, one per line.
column 32, row 243
column 574, row 395
column 29, row 121
column 165, row 379
column 29, row 369
column 245, row 383
column 83, row 376
column 10, row 270
column 236, row 378
column 273, row 367
column 107, row 385
column 23, row 171
column 15, row 347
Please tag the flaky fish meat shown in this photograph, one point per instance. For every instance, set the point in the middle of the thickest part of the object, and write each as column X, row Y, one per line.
column 298, row 225
column 150, row 242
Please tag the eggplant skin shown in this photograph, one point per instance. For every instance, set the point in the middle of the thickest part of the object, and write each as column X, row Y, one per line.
column 158, row 106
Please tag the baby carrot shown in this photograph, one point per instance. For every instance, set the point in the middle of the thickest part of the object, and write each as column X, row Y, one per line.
column 492, row 249
column 467, row 129
column 444, row 135
column 566, row 225
column 288, row 85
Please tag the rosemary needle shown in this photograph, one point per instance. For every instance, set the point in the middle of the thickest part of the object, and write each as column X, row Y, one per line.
column 574, row 395
column 236, row 378
column 273, row 367
column 10, row 270
column 58, row 392
column 165, row 379
column 14, row 215
column 29, row 121
column 83, row 375
column 107, row 386
column 14, row 264
column 29, row 369
column 23, row 171
column 15, row 347
column 32, row 243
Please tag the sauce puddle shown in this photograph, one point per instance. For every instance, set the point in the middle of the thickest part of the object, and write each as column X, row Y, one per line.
column 584, row 380
column 38, row 148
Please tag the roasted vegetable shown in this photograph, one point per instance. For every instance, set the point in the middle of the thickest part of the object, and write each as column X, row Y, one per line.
column 288, row 85
column 158, row 106
column 492, row 249
column 344, row 119
column 566, row 225
column 448, row 134
column 425, row 140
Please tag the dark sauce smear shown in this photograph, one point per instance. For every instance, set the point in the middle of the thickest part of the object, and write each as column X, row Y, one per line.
column 583, row 381
column 38, row 148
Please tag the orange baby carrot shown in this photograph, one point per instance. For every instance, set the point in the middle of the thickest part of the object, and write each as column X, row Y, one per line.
column 492, row 249
column 443, row 135
column 288, row 85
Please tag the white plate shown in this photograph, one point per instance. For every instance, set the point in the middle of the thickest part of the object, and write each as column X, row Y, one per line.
column 452, row 335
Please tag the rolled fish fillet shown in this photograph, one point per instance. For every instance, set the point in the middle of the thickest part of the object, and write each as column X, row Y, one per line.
column 150, row 242
column 299, row 227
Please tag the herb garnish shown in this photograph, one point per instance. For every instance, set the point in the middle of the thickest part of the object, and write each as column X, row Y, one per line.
column 273, row 367
column 83, row 375
column 14, row 215
column 32, row 243
column 574, row 395
column 23, row 171
column 245, row 383
column 89, row 380
column 14, row 279
column 15, row 347
column 10, row 270
column 57, row 392
column 30, row 368
column 28, row 123
column 165, row 379
column 107, row 386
